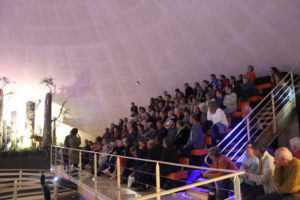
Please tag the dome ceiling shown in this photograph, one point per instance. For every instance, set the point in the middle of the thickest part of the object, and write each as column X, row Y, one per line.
column 96, row 50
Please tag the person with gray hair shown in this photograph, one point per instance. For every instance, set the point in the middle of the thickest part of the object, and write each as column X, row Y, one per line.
column 295, row 146
column 286, row 176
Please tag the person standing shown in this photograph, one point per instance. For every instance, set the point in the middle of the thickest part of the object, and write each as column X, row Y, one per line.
column 72, row 141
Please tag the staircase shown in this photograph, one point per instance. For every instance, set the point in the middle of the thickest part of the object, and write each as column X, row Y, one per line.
column 25, row 184
column 265, row 122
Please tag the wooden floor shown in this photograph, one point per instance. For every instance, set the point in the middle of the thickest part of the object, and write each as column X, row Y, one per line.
column 107, row 189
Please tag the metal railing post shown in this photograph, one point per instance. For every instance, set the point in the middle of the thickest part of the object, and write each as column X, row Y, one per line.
column 293, row 90
column 15, row 194
column 20, row 178
column 274, row 113
column 62, row 159
column 237, row 189
column 157, row 181
column 51, row 156
column 69, row 159
column 55, row 156
column 118, row 173
column 248, row 129
column 95, row 175
column 80, row 167
column 55, row 191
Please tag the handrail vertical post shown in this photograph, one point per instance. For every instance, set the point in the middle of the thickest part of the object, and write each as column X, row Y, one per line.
column 118, row 173
column 62, row 159
column 69, row 160
column 95, row 175
column 157, row 181
column 55, row 191
column 237, row 189
column 55, row 157
column 51, row 156
column 274, row 113
column 80, row 167
column 293, row 90
column 20, row 178
column 15, row 194
column 248, row 129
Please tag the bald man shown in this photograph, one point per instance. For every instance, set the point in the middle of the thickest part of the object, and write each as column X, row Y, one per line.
column 286, row 176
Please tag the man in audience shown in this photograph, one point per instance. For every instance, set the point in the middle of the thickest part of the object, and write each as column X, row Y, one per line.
column 160, row 133
column 196, row 138
column 172, row 131
column 248, row 89
column 249, row 165
column 178, row 94
column 286, row 176
column 230, row 101
column 236, row 86
column 133, row 107
column 220, row 162
column 214, row 81
column 295, row 146
column 263, row 175
column 188, row 90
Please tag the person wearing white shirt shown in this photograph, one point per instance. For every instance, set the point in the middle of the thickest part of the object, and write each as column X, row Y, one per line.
column 220, row 123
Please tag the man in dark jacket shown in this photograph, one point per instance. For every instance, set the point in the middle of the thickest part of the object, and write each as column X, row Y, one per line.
column 196, row 138
column 248, row 89
column 188, row 90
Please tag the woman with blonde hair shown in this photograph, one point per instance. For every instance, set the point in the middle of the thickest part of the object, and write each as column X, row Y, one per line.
column 219, row 120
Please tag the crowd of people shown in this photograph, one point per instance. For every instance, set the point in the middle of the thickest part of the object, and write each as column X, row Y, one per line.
column 171, row 127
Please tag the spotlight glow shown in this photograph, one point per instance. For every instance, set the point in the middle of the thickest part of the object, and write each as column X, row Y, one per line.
column 55, row 179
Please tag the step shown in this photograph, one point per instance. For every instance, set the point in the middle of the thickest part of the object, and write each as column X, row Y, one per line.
column 198, row 193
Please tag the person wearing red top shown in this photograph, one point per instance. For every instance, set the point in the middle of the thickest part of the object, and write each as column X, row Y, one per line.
column 295, row 146
column 220, row 162
column 250, row 73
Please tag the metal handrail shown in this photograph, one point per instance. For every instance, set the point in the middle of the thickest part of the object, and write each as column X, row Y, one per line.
column 278, row 89
column 232, row 173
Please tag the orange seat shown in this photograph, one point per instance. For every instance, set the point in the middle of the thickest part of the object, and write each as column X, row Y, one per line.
column 261, row 87
column 184, row 161
column 199, row 152
column 236, row 114
column 240, row 105
column 178, row 175
column 255, row 98
column 229, row 120
column 227, row 131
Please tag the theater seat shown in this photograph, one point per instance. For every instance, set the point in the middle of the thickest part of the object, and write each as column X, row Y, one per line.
column 261, row 87
column 178, row 175
column 199, row 152
column 255, row 98
column 240, row 105
column 184, row 160
column 236, row 114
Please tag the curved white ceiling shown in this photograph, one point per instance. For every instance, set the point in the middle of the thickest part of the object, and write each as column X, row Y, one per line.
column 97, row 49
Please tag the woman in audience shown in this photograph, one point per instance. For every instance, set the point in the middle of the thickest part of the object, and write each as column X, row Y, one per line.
column 276, row 75
column 220, row 162
column 224, row 79
column 236, row 86
column 178, row 114
column 200, row 94
column 219, row 120
column 125, row 132
column 250, row 73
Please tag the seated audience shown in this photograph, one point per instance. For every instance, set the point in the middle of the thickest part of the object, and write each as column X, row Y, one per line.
column 160, row 133
column 220, row 162
column 172, row 131
column 224, row 79
column 219, row 120
column 263, row 176
column 214, row 81
column 220, row 99
column 250, row 73
column 286, row 176
column 249, row 165
column 230, row 102
column 295, row 146
column 205, row 124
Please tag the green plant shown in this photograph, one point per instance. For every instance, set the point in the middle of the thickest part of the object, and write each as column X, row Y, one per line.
column 21, row 152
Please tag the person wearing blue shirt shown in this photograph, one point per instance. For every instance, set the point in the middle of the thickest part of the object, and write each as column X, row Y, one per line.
column 214, row 81
column 250, row 164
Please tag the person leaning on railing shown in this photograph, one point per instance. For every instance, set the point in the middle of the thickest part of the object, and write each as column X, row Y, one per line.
column 220, row 162
column 286, row 177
